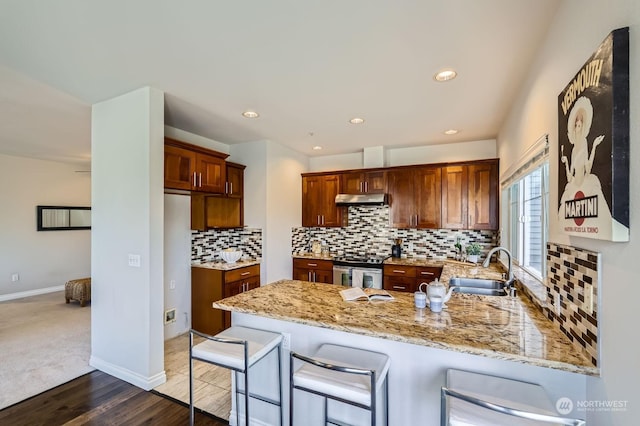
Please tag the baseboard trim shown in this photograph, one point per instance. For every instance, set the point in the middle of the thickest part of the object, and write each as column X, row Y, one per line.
column 29, row 293
column 146, row 383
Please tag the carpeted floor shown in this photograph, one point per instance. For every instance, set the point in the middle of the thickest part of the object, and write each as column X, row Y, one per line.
column 44, row 342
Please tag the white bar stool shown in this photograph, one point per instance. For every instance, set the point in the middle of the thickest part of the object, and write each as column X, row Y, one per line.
column 331, row 372
column 236, row 348
column 479, row 399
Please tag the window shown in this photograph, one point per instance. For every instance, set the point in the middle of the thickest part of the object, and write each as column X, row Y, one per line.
column 526, row 214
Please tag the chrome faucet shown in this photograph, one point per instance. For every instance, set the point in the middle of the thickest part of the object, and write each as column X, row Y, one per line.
column 509, row 282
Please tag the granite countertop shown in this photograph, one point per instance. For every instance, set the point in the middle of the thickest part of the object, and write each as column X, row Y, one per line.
column 224, row 266
column 508, row 328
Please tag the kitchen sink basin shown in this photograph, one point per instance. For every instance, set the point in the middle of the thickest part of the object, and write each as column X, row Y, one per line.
column 478, row 286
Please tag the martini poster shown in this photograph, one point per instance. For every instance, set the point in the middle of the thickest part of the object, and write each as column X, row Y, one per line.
column 593, row 137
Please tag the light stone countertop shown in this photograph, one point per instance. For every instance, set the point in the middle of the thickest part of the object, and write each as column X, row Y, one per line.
column 224, row 266
column 497, row 327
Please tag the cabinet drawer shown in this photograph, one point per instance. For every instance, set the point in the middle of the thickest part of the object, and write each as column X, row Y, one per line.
column 428, row 273
column 400, row 271
column 241, row 273
column 399, row 284
column 326, row 265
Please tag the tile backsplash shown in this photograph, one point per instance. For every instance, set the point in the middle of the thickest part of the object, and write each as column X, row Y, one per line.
column 205, row 245
column 369, row 232
column 573, row 280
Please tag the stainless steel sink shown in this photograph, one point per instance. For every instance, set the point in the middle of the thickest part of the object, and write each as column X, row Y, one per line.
column 478, row 286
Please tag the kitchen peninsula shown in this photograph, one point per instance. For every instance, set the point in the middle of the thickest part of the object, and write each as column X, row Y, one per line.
column 503, row 336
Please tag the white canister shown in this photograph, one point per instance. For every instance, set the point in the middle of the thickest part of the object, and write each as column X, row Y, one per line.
column 420, row 299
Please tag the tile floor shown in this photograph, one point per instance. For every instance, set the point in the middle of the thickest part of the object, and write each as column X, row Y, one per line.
column 212, row 384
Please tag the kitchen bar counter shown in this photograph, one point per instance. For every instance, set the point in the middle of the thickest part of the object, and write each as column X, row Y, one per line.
column 503, row 328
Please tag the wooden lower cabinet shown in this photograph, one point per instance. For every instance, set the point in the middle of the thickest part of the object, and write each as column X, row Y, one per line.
column 211, row 285
column 408, row 278
column 318, row 271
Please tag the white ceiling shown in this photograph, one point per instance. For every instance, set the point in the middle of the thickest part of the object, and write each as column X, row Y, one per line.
column 306, row 66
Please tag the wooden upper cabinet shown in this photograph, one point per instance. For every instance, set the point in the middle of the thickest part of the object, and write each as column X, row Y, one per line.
column 428, row 197
column 234, row 186
column 374, row 182
column 414, row 197
column 210, row 173
column 483, row 196
column 179, row 167
column 470, row 196
column 193, row 168
column 318, row 201
column 454, row 197
column 401, row 198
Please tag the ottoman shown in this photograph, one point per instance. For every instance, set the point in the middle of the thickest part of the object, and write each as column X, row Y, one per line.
column 79, row 290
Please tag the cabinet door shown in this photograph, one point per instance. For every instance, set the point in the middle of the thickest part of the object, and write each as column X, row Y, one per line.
column 311, row 196
column 302, row 274
column 319, row 201
column 234, row 186
column 401, row 198
column 223, row 212
column 428, row 197
column 483, row 196
column 454, row 197
column 375, row 182
column 352, row 183
column 210, row 173
column 179, row 166
column 331, row 214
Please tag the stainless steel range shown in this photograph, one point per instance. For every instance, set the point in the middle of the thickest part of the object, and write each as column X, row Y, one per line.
column 354, row 270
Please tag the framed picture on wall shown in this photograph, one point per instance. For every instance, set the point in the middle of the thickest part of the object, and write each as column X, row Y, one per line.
column 593, row 134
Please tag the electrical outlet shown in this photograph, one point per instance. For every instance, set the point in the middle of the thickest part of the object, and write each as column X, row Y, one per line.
column 587, row 306
column 410, row 246
column 172, row 284
column 286, row 341
column 15, row 278
column 170, row 315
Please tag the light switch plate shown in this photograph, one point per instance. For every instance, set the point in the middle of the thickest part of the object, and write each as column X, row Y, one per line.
column 134, row 260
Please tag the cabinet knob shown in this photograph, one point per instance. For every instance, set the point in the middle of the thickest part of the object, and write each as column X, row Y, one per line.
column 245, row 273
column 398, row 271
column 312, row 264
column 399, row 287
column 426, row 273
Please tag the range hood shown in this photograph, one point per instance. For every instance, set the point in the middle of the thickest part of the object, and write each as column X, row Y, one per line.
column 361, row 199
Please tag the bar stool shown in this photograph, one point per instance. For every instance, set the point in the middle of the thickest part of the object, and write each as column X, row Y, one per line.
column 348, row 375
column 480, row 399
column 236, row 348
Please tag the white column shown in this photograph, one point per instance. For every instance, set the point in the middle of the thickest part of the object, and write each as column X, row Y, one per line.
column 127, row 144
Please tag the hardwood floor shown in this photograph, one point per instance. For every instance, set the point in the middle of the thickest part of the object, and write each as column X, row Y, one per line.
column 100, row 399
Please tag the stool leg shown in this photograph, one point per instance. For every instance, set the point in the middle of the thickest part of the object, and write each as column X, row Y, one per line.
column 280, row 379
column 237, row 400
column 191, row 419
column 290, row 389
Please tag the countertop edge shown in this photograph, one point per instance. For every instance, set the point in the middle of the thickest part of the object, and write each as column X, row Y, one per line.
column 557, row 365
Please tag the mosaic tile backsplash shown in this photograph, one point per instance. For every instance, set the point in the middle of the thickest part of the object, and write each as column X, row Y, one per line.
column 573, row 279
column 205, row 245
column 369, row 232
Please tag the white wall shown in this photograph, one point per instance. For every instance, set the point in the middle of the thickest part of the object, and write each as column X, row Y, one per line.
column 273, row 200
column 577, row 30
column 177, row 261
column 127, row 148
column 43, row 260
column 463, row 151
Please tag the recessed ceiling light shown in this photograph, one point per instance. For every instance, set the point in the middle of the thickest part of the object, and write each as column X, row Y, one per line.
column 356, row 120
column 317, row 148
column 250, row 114
column 445, row 75
column 450, row 132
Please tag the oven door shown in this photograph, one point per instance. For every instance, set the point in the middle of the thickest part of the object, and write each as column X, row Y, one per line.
column 342, row 275
column 367, row 278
